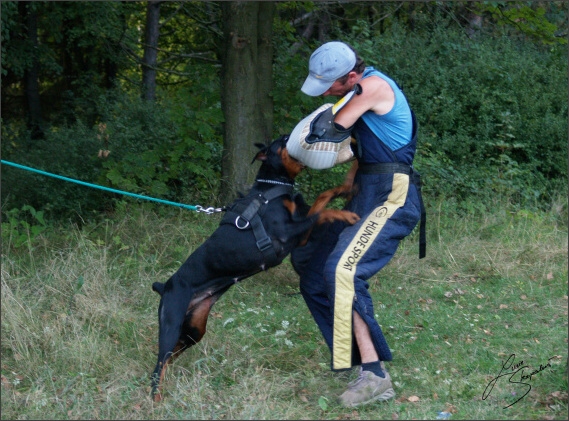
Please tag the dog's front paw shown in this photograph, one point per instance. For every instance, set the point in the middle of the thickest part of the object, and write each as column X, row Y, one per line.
column 351, row 217
column 331, row 215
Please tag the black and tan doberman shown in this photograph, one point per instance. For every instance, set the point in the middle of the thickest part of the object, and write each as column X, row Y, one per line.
column 257, row 232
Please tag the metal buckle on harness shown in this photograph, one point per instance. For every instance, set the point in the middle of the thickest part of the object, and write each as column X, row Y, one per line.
column 264, row 244
column 237, row 223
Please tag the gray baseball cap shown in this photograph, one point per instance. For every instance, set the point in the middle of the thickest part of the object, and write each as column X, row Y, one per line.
column 327, row 63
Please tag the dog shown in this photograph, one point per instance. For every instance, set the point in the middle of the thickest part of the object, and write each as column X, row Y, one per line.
column 257, row 232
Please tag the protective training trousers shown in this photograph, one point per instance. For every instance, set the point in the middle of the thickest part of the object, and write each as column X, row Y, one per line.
column 336, row 263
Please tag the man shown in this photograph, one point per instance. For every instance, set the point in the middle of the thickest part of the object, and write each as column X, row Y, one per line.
column 333, row 278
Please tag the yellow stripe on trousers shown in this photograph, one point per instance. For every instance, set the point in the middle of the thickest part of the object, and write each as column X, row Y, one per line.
column 347, row 265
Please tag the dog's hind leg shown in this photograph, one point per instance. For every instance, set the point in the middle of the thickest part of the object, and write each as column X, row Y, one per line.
column 191, row 329
column 171, row 314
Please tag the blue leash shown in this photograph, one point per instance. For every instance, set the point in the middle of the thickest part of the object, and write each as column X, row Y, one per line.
column 197, row 208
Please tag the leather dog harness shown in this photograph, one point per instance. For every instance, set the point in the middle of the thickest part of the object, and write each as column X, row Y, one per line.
column 246, row 213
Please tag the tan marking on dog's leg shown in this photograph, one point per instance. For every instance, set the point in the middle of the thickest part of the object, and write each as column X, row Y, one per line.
column 158, row 395
column 290, row 205
column 198, row 321
column 199, row 317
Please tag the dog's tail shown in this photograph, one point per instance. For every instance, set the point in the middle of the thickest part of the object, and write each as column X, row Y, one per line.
column 158, row 287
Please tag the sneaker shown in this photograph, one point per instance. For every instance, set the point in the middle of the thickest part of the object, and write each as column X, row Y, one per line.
column 367, row 388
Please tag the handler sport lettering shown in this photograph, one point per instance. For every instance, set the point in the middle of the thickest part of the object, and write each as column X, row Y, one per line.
column 366, row 237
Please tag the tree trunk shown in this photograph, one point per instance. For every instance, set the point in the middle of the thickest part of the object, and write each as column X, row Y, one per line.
column 246, row 84
column 265, row 67
column 150, row 58
column 31, row 83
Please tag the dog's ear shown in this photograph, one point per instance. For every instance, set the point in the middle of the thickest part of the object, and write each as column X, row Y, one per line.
column 262, row 154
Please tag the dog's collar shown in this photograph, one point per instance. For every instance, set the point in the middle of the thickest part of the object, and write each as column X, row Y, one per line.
column 274, row 182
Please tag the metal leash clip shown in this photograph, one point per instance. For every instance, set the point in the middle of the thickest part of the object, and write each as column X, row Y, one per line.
column 209, row 210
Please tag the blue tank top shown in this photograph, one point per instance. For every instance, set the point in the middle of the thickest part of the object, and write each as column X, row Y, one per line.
column 387, row 137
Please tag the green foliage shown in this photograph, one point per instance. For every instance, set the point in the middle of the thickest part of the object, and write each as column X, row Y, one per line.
column 170, row 151
column 491, row 119
column 323, row 403
column 8, row 19
column 485, row 130
column 528, row 19
column 69, row 151
column 493, row 122
column 290, row 70
column 23, row 225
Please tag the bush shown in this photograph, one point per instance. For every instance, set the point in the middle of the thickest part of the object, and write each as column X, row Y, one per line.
column 166, row 150
column 492, row 119
column 65, row 151
column 493, row 123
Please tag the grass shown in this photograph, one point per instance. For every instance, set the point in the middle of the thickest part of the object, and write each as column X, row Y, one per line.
column 79, row 325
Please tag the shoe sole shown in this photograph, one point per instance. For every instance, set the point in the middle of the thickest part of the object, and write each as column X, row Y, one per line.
column 388, row 394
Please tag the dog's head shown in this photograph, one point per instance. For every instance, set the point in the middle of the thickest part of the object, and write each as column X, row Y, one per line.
column 276, row 162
